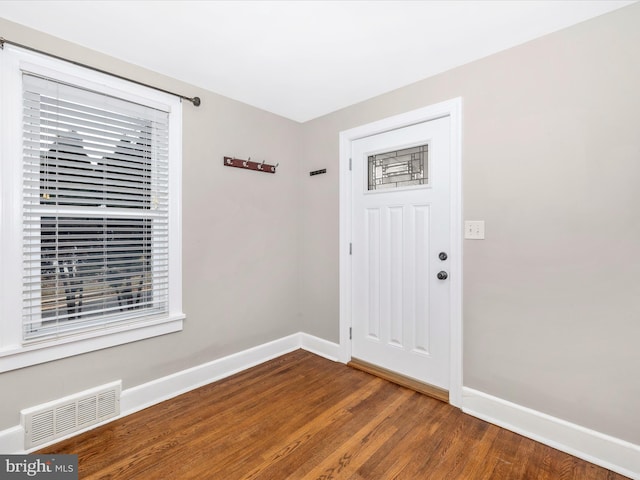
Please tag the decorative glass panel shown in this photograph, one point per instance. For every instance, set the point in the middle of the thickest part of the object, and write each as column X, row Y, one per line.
column 400, row 168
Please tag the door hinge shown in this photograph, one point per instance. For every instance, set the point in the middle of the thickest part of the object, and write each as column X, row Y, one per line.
column 350, row 333
column 349, row 164
column 350, row 249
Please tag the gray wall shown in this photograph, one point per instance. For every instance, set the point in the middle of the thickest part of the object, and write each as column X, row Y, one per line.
column 240, row 245
column 551, row 162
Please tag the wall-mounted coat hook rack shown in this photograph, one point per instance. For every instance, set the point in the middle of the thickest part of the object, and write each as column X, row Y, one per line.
column 250, row 165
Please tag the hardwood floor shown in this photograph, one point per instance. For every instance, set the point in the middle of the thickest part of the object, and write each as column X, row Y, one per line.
column 301, row 416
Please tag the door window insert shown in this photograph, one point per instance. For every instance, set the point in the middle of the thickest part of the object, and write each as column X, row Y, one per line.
column 399, row 168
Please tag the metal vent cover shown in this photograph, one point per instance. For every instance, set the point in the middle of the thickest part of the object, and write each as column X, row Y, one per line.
column 56, row 419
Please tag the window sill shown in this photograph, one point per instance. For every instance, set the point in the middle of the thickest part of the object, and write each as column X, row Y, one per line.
column 16, row 356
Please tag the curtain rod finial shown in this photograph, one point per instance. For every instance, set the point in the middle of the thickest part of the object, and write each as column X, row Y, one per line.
column 196, row 101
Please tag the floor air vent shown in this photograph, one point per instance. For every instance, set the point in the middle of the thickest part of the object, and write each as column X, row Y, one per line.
column 59, row 418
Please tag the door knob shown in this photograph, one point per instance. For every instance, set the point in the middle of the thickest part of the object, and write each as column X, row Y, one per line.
column 442, row 256
column 442, row 275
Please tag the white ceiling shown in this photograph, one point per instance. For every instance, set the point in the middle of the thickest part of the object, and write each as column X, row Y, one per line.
column 301, row 59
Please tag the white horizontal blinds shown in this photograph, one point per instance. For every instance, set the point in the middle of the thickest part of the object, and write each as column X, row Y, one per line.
column 95, row 198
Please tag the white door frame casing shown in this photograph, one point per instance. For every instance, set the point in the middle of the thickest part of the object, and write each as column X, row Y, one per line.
column 453, row 109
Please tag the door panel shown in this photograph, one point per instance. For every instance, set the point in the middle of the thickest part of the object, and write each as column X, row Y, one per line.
column 400, row 316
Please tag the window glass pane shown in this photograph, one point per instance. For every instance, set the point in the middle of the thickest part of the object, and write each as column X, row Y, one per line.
column 400, row 168
column 94, row 268
column 95, row 199
column 68, row 176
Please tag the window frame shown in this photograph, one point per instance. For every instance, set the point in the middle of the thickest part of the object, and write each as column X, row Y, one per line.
column 14, row 351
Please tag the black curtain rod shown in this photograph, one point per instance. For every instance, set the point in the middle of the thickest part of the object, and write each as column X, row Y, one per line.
column 194, row 100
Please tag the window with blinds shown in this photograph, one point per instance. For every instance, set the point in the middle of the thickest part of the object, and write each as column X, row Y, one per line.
column 95, row 210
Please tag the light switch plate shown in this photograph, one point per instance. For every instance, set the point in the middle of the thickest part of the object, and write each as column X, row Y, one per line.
column 474, row 229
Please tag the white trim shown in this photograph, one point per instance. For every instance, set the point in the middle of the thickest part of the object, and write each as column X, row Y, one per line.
column 14, row 352
column 143, row 396
column 12, row 440
column 453, row 109
column 175, row 209
column 15, row 356
column 151, row 393
column 319, row 346
column 156, row 391
column 10, row 202
column 609, row 452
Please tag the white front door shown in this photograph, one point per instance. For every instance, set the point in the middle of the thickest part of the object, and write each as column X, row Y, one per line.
column 401, row 242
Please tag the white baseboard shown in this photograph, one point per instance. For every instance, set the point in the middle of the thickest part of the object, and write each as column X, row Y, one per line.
column 142, row 396
column 12, row 440
column 609, row 452
column 156, row 391
column 319, row 346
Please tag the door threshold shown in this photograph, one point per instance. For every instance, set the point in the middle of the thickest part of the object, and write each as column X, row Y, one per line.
column 407, row 382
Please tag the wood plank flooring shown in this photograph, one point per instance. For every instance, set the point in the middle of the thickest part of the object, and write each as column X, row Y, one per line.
column 301, row 416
